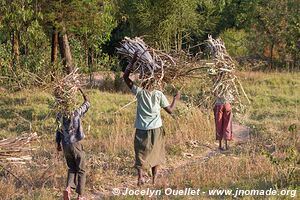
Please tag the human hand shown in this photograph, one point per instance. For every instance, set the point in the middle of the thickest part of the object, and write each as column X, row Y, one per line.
column 134, row 57
column 177, row 96
column 58, row 148
column 131, row 64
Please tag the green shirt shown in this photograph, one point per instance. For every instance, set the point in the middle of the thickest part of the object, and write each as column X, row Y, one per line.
column 148, row 108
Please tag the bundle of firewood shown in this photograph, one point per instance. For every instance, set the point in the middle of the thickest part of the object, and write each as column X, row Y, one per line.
column 16, row 149
column 225, row 82
column 65, row 91
column 151, row 63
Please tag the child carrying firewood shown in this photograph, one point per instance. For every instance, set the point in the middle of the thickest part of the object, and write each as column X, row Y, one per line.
column 149, row 141
column 69, row 134
column 225, row 89
column 222, row 113
column 223, row 119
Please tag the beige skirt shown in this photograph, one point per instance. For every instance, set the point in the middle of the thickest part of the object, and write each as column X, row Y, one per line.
column 149, row 147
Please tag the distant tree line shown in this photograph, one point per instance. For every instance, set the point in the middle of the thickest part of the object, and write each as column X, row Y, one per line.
column 45, row 38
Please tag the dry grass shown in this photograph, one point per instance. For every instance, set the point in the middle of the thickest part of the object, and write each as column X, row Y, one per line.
column 108, row 145
column 109, row 142
column 220, row 171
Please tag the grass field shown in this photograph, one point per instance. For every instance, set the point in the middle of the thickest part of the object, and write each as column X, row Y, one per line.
column 269, row 159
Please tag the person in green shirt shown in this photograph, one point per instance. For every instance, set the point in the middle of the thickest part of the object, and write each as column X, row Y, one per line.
column 149, row 141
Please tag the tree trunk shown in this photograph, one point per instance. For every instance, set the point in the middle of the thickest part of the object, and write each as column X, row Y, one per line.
column 86, row 46
column 26, row 48
column 65, row 52
column 54, row 46
column 54, row 51
column 295, row 62
column 175, row 41
column 15, row 49
column 91, row 63
column 271, row 56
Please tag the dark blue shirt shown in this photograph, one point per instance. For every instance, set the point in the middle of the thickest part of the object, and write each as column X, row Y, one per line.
column 69, row 127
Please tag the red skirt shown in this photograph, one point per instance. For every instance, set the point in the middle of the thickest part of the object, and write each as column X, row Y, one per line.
column 223, row 120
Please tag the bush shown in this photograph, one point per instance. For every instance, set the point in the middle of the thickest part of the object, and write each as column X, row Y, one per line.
column 236, row 42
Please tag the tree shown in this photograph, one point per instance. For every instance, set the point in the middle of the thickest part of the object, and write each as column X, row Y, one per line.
column 292, row 34
column 270, row 29
column 21, row 28
column 89, row 21
column 15, row 14
column 164, row 24
column 169, row 24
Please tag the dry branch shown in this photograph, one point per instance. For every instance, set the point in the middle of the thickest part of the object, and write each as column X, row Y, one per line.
column 13, row 149
column 225, row 82
column 65, row 91
column 152, row 64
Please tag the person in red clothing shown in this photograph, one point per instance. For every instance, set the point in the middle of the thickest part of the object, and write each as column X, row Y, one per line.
column 223, row 121
column 223, row 115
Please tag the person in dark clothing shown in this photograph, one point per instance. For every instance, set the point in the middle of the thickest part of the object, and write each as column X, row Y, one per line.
column 68, row 136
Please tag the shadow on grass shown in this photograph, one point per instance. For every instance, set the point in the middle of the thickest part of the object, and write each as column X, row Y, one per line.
column 8, row 101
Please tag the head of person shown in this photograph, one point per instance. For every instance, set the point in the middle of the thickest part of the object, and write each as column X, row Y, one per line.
column 150, row 84
column 64, row 104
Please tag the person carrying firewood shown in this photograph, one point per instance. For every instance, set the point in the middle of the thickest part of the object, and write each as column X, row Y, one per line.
column 149, row 141
column 223, row 117
column 226, row 89
column 68, row 135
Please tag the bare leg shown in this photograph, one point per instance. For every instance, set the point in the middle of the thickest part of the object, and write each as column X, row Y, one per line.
column 67, row 193
column 220, row 145
column 226, row 145
column 140, row 177
column 154, row 173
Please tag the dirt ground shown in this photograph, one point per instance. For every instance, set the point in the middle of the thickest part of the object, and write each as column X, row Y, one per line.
column 240, row 133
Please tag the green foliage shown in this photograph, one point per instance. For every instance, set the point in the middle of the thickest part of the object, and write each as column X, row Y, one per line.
column 274, row 30
column 236, row 42
column 88, row 23
column 15, row 14
column 5, row 58
column 265, row 29
column 170, row 24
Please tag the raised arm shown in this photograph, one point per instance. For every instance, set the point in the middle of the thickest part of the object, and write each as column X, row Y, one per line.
column 83, row 95
column 126, row 78
column 85, row 106
column 58, row 140
column 127, row 71
column 170, row 109
column 58, row 135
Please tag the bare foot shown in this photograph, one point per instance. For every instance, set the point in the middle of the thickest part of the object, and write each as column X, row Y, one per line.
column 221, row 149
column 154, row 173
column 154, row 179
column 226, row 145
column 141, row 181
column 67, row 193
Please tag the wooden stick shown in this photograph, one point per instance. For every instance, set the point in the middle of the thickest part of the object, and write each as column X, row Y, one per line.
column 128, row 104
